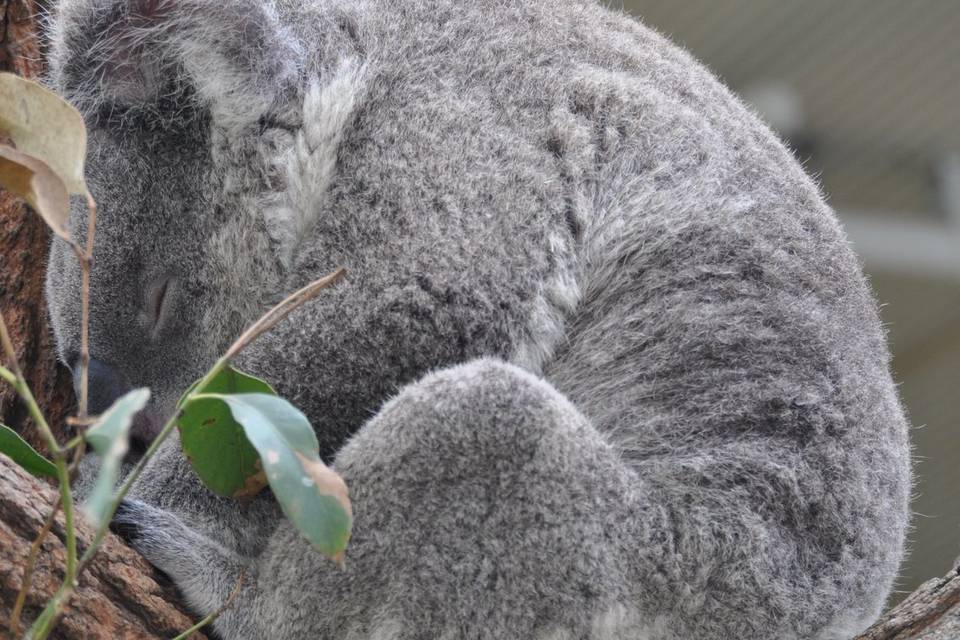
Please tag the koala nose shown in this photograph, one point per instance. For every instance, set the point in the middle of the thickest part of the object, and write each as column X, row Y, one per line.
column 105, row 385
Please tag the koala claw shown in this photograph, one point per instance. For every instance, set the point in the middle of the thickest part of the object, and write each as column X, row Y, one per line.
column 126, row 522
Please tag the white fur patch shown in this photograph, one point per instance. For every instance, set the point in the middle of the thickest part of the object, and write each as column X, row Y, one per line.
column 383, row 629
column 848, row 624
column 388, row 630
column 616, row 623
column 622, row 623
column 555, row 301
column 310, row 164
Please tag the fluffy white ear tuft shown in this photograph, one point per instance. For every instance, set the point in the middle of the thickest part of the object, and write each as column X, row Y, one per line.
column 329, row 106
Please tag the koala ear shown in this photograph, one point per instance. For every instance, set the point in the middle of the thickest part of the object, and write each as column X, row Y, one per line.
column 233, row 58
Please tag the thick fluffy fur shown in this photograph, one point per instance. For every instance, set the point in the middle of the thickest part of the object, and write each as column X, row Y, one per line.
column 635, row 384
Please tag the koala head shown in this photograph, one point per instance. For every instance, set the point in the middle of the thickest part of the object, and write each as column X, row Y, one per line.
column 185, row 129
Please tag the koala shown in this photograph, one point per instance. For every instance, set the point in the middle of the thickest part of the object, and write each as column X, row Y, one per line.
column 604, row 365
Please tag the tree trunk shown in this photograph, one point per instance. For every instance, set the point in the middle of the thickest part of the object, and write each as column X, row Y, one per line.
column 23, row 259
column 119, row 596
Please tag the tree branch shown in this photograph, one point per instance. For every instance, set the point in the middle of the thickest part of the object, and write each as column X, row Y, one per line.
column 932, row 612
column 119, row 596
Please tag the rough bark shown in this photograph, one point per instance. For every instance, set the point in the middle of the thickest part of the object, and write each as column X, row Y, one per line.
column 23, row 258
column 120, row 594
column 932, row 612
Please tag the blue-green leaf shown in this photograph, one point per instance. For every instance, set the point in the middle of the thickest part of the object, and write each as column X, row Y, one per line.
column 109, row 437
column 311, row 494
column 215, row 443
column 23, row 454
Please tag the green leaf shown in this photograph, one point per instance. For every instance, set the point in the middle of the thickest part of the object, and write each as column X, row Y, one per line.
column 215, row 443
column 311, row 494
column 23, row 454
column 109, row 438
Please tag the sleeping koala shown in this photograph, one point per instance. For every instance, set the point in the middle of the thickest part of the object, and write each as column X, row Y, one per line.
column 603, row 367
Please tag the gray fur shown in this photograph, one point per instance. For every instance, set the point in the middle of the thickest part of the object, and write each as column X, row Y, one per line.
column 635, row 384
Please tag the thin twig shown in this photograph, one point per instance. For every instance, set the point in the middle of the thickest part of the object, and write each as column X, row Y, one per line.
column 6, row 374
column 29, row 567
column 79, row 446
column 14, row 375
column 74, row 421
column 44, row 532
column 86, row 262
column 73, row 442
column 50, row 615
column 216, row 614
column 38, row 541
column 282, row 310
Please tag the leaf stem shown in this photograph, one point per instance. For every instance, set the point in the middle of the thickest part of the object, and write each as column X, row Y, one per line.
column 42, row 626
column 48, row 618
column 8, row 375
column 14, row 373
column 282, row 310
column 216, row 614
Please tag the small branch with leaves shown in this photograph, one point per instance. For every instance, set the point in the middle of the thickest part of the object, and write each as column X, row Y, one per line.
column 119, row 594
column 228, row 420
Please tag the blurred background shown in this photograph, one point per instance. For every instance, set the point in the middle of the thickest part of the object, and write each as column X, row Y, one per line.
column 867, row 93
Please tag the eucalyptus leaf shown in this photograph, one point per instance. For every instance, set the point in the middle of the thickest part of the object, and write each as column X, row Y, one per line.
column 31, row 179
column 12, row 445
column 44, row 125
column 109, row 437
column 215, row 443
column 311, row 495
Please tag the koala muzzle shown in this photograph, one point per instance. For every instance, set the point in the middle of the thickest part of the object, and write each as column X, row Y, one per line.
column 106, row 385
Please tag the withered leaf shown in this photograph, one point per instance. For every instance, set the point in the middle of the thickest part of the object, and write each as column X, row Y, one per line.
column 43, row 125
column 31, row 179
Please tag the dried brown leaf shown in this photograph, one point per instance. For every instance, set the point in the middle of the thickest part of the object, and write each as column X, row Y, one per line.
column 45, row 126
column 326, row 481
column 252, row 485
column 31, row 179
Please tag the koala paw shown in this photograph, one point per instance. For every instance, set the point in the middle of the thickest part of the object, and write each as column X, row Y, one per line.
column 204, row 571
column 126, row 521
column 156, row 534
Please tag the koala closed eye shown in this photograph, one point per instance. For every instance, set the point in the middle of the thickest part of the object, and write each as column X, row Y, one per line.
column 157, row 304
